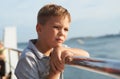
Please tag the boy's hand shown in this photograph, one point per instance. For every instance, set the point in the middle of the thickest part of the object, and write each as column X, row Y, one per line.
column 57, row 59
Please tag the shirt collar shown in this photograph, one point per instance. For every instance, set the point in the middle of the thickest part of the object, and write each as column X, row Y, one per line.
column 33, row 48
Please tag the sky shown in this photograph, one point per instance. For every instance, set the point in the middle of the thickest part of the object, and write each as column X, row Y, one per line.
column 89, row 17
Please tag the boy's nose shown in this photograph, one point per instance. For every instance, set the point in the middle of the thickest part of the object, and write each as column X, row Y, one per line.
column 61, row 32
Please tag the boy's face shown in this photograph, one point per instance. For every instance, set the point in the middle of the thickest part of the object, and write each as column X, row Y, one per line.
column 55, row 31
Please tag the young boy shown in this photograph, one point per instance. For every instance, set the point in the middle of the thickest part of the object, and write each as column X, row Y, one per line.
column 44, row 58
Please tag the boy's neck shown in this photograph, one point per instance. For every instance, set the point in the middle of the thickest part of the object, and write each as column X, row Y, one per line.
column 43, row 49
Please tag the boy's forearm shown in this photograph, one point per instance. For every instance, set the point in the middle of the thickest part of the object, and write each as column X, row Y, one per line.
column 79, row 52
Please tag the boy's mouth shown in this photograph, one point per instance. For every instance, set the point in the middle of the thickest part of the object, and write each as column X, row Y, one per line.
column 59, row 40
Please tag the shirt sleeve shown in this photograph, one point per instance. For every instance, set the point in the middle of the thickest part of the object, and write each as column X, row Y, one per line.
column 27, row 69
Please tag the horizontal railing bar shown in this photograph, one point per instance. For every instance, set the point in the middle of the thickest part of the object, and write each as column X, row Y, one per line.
column 17, row 50
column 99, row 65
column 103, row 66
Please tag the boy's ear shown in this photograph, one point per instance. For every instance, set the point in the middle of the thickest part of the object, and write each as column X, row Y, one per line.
column 38, row 28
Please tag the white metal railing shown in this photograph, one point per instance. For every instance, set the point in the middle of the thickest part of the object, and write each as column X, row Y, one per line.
column 98, row 65
column 10, row 54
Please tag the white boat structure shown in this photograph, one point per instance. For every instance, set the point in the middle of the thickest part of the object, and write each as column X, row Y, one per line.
column 101, row 66
column 10, row 41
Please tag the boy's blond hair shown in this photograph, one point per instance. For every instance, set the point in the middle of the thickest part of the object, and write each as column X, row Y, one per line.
column 49, row 10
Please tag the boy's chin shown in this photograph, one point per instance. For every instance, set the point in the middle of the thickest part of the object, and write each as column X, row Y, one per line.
column 58, row 45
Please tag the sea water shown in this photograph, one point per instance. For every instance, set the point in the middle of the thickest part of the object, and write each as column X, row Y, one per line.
column 99, row 47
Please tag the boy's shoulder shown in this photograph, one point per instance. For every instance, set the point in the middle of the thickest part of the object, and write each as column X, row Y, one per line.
column 26, row 53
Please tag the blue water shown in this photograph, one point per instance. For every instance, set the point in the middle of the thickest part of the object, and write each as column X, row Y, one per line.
column 100, row 47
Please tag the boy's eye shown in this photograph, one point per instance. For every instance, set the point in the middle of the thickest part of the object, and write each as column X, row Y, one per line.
column 56, row 27
column 66, row 29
